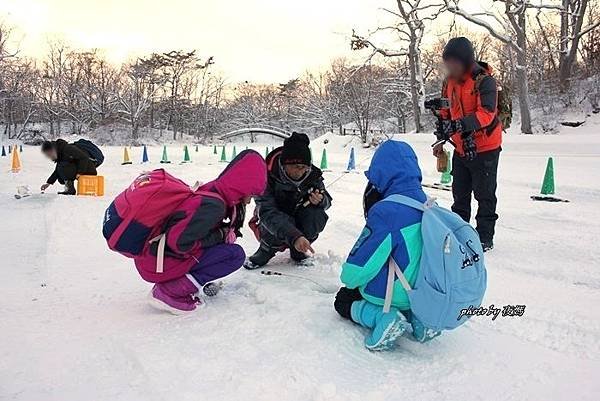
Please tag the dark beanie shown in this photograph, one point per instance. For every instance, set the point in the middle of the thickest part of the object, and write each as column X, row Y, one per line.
column 460, row 49
column 296, row 150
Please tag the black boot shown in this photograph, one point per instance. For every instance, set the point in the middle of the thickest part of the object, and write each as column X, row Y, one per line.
column 487, row 246
column 69, row 188
column 260, row 258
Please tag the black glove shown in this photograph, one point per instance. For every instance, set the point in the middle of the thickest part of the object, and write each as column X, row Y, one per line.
column 469, row 146
column 444, row 129
column 239, row 219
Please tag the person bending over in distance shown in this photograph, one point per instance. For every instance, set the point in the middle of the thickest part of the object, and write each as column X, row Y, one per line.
column 291, row 213
column 72, row 160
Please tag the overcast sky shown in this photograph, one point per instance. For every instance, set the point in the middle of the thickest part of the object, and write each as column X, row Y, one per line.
column 259, row 40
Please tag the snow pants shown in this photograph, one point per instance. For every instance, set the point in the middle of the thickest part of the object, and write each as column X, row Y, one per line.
column 344, row 299
column 477, row 176
column 216, row 262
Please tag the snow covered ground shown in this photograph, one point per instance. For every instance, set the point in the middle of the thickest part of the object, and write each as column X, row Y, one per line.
column 76, row 326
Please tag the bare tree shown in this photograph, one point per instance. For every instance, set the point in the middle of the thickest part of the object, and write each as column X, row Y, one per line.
column 360, row 89
column 49, row 87
column 590, row 43
column 5, row 51
column 177, row 65
column 510, row 28
column 572, row 29
column 412, row 16
column 139, row 90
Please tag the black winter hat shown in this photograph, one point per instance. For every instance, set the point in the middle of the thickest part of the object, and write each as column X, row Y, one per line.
column 460, row 49
column 296, row 150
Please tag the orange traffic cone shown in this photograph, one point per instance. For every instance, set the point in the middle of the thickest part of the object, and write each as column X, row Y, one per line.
column 16, row 161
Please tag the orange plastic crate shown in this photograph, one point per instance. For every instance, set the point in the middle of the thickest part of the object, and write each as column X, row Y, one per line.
column 91, row 185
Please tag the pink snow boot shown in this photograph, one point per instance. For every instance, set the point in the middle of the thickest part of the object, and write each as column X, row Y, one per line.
column 175, row 296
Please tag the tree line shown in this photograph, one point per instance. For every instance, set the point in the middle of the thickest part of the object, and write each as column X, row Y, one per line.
column 537, row 49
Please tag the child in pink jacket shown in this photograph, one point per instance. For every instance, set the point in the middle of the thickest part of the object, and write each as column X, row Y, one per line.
column 200, row 234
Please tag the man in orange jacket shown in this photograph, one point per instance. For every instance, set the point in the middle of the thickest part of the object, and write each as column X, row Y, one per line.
column 473, row 125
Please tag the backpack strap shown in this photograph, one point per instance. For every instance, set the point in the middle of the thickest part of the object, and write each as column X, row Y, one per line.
column 405, row 200
column 393, row 268
column 393, row 272
column 160, row 252
column 478, row 80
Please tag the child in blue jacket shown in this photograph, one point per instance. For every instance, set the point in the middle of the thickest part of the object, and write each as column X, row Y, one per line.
column 393, row 231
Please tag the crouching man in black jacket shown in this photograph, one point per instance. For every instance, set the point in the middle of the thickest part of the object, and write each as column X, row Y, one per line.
column 71, row 161
column 291, row 212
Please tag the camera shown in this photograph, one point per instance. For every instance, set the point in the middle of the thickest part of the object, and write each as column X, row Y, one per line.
column 437, row 103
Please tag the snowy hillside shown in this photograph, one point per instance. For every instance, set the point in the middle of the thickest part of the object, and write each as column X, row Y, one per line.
column 76, row 325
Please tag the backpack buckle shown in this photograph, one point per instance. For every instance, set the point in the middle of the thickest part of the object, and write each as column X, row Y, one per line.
column 430, row 202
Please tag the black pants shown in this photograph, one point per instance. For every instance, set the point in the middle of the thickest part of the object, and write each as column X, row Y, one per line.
column 344, row 299
column 310, row 221
column 477, row 176
column 66, row 171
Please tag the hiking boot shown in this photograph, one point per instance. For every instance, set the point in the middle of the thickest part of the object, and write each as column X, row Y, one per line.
column 386, row 327
column 175, row 296
column 487, row 246
column 69, row 188
column 260, row 258
column 421, row 333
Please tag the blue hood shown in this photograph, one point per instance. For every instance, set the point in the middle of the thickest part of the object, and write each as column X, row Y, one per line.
column 395, row 169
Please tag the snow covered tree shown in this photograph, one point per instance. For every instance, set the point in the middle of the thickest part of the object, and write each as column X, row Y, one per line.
column 572, row 29
column 49, row 89
column 139, row 89
column 177, row 65
column 360, row 90
column 410, row 26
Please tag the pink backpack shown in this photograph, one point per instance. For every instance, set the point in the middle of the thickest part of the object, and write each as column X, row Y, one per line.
column 133, row 216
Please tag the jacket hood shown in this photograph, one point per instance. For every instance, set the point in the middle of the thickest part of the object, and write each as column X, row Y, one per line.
column 246, row 175
column 395, row 169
